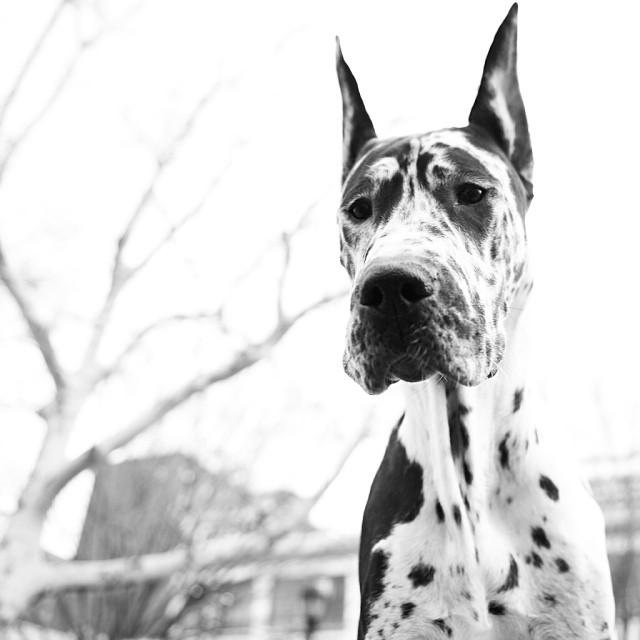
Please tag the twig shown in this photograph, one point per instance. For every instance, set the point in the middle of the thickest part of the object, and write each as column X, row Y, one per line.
column 120, row 275
column 105, row 372
column 62, row 83
column 38, row 331
column 243, row 360
column 285, row 240
column 190, row 215
column 33, row 54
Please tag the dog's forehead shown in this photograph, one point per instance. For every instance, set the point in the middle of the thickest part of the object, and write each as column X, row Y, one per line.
column 446, row 156
column 465, row 152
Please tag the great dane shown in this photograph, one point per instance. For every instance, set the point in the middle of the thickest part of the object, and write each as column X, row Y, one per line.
column 477, row 526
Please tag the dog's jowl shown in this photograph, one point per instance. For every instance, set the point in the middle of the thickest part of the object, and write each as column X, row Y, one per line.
column 477, row 526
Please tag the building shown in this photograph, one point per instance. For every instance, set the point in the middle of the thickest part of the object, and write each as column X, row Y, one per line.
column 309, row 583
column 616, row 487
column 308, row 580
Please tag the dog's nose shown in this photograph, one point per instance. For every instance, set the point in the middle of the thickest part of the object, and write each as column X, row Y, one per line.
column 393, row 290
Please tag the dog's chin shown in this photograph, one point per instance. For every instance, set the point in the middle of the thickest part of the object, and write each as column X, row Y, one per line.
column 411, row 370
column 376, row 375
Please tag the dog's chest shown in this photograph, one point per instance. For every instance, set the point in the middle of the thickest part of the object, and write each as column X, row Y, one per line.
column 519, row 565
column 424, row 588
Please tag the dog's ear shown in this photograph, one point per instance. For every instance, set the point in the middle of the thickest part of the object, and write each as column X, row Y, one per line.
column 498, row 108
column 357, row 128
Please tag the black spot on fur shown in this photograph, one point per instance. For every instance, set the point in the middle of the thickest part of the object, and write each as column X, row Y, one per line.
column 536, row 559
column 440, row 511
column 517, row 400
column 412, row 189
column 388, row 197
column 504, row 452
column 377, row 571
column 395, row 497
column 549, row 487
column 562, row 564
column 511, row 581
column 458, row 433
column 496, row 608
column 439, row 172
column 494, row 250
column 407, row 609
column 550, row 598
column 468, row 475
column 403, row 158
column 421, row 575
column 424, row 159
column 539, row 536
column 457, row 516
column 443, row 626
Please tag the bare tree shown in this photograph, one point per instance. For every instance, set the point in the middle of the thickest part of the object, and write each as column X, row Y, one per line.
column 25, row 570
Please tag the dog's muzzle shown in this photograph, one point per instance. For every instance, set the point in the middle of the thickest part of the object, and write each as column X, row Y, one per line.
column 389, row 307
column 410, row 320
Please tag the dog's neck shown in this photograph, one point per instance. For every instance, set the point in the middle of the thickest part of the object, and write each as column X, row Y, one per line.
column 474, row 444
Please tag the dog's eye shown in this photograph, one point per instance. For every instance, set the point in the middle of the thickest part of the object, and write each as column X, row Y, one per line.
column 360, row 209
column 470, row 193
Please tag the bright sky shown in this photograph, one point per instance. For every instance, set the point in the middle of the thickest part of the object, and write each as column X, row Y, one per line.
column 418, row 64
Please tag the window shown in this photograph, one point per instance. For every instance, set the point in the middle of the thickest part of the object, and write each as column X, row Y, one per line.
column 288, row 611
column 234, row 604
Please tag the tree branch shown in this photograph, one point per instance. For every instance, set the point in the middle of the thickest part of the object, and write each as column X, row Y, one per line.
column 38, row 331
column 286, row 247
column 302, row 512
column 190, row 215
column 221, row 553
column 14, row 144
column 155, row 566
column 243, row 360
column 120, row 275
column 33, row 54
column 106, row 372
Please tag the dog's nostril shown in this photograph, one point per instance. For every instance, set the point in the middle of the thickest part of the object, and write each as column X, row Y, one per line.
column 413, row 290
column 371, row 296
column 393, row 290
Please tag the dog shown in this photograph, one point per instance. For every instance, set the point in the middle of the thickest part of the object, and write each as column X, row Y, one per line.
column 476, row 526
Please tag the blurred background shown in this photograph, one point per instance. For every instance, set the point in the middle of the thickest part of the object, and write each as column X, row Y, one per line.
column 180, row 453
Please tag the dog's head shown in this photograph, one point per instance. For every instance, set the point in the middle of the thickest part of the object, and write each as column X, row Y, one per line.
column 432, row 233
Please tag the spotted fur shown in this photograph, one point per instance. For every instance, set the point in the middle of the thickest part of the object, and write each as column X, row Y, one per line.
column 476, row 525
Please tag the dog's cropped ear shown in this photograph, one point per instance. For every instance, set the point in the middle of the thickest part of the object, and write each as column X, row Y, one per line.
column 357, row 128
column 498, row 108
